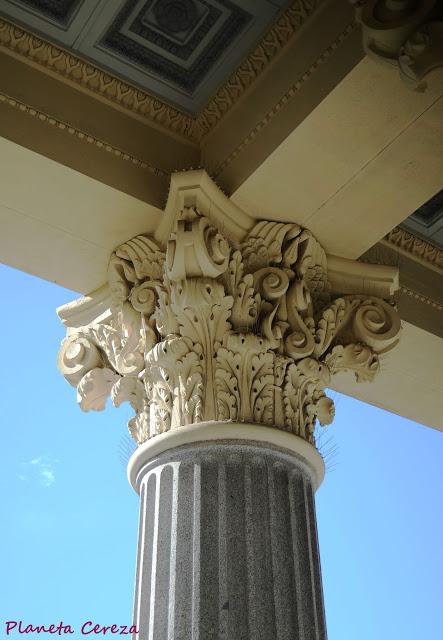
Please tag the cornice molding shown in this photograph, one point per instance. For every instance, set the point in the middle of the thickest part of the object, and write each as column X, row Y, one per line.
column 81, row 73
column 415, row 248
column 278, row 36
column 81, row 135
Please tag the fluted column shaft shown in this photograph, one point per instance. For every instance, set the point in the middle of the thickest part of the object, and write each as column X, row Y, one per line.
column 228, row 545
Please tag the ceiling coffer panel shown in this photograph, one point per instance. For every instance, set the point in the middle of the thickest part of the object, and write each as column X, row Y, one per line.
column 60, row 11
column 178, row 41
column 427, row 221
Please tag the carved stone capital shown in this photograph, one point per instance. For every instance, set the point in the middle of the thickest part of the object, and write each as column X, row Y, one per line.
column 246, row 328
column 405, row 33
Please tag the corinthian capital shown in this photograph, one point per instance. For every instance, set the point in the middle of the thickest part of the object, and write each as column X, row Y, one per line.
column 209, row 321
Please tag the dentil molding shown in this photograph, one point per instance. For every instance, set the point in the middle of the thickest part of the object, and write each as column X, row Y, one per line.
column 405, row 33
column 220, row 317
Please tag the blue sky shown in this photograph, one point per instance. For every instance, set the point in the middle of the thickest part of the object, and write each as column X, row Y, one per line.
column 69, row 527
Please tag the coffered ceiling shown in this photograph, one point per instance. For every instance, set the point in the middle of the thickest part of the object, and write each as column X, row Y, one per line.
column 179, row 50
column 427, row 220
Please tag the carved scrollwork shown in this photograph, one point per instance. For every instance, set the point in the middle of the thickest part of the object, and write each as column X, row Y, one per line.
column 143, row 298
column 209, row 330
column 271, row 282
column 144, row 256
column 77, row 356
column 376, row 324
column 403, row 33
column 196, row 249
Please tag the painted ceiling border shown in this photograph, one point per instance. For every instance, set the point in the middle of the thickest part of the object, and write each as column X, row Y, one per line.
column 415, row 248
column 77, row 71
column 56, row 61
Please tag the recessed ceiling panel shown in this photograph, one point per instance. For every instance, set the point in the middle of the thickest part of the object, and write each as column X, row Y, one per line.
column 179, row 50
column 60, row 11
column 427, row 220
column 58, row 20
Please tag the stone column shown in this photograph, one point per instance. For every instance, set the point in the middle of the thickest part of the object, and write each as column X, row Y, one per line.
column 227, row 541
column 223, row 333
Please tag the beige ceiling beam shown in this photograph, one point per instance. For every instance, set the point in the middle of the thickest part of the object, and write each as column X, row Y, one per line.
column 50, row 116
column 59, row 224
column 319, row 55
column 410, row 382
column 358, row 165
column 303, row 56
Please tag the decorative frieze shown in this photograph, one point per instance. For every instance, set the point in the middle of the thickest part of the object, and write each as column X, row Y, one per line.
column 415, row 248
column 204, row 328
column 133, row 100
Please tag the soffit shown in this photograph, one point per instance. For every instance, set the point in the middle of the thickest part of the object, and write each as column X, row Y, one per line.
column 61, row 225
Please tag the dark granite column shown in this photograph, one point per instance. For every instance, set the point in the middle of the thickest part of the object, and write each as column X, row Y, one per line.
column 228, row 545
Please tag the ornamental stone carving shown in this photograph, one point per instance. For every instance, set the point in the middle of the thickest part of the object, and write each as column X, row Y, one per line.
column 205, row 328
column 404, row 33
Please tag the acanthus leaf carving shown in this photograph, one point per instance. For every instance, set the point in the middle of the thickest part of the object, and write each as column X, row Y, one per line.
column 304, row 398
column 174, row 383
column 331, row 321
column 246, row 302
column 212, row 330
column 357, row 357
column 244, row 378
column 95, row 387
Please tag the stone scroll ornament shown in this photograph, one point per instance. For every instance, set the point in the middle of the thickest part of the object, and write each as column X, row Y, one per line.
column 203, row 330
column 407, row 34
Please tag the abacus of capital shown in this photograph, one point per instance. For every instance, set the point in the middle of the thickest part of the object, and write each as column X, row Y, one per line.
column 223, row 333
